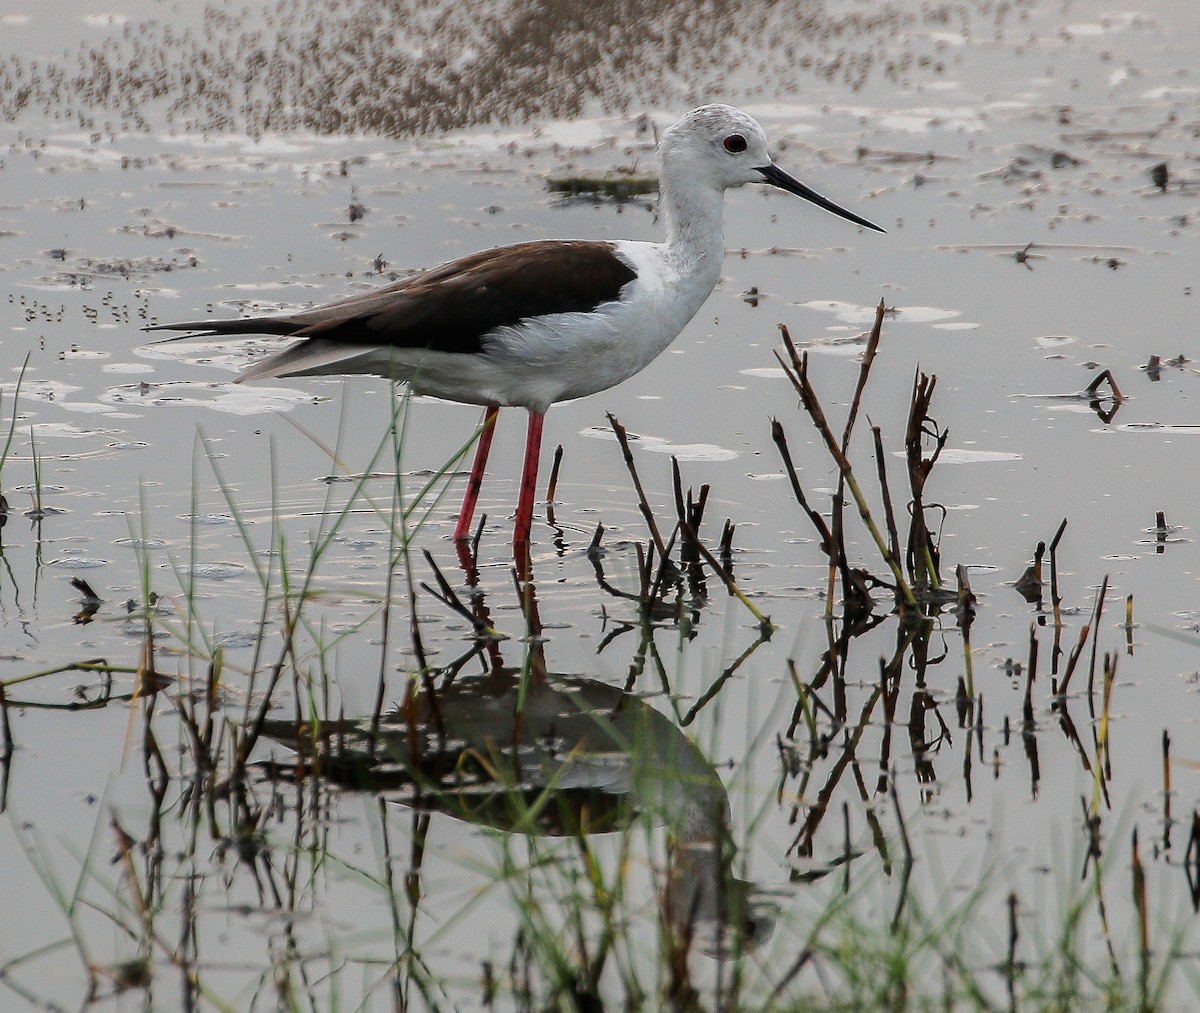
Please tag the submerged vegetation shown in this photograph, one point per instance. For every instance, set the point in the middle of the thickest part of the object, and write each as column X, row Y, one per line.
column 531, row 840
column 357, row 66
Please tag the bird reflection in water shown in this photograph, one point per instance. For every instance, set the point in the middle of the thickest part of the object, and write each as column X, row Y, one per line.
column 521, row 750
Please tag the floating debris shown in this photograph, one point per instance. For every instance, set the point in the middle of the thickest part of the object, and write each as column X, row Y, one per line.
column 620, row 187
column 89, row 601
column 1024, row 256
column 1156, row 363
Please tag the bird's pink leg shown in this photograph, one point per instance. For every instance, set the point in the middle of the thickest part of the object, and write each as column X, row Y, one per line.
column 487, row 429
column 533, row 449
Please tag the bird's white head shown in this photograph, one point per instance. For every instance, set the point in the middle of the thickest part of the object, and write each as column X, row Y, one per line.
column 720, row 146
column 717, row 144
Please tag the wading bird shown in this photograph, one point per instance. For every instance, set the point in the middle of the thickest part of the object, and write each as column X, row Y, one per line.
column 540, row 322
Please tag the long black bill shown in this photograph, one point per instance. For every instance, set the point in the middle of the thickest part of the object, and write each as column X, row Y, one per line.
column 777, row 177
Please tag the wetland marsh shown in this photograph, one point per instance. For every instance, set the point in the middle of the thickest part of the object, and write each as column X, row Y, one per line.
column 258, row 734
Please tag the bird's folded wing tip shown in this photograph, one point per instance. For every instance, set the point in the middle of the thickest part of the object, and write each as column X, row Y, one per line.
column 175, row 337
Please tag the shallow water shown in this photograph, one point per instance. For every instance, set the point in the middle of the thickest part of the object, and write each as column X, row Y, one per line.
column 982, row 142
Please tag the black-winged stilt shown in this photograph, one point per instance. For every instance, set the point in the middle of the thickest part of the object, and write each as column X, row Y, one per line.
column 540, row 322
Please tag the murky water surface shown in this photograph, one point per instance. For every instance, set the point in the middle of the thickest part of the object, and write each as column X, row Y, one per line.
column 1028, row 249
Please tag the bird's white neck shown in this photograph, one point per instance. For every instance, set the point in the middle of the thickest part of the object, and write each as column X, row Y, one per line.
column 693, row 215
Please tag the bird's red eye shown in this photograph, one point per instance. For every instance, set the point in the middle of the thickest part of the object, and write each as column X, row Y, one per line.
column 735, row 143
